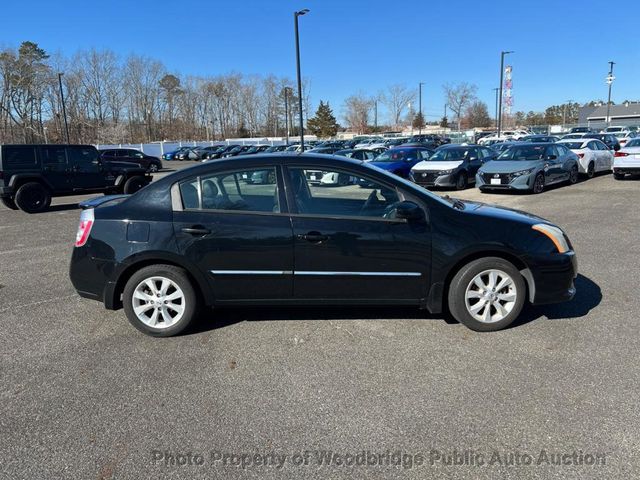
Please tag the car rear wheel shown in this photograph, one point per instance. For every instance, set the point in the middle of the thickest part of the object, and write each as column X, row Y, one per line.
column 9, row 203
column 133, row 184
column 487, row 294
column 461, row 183
column 618, row 176
column 573, row 175
column 591, row 170
column 159, row 300
column 538, row 183
column 32, row 197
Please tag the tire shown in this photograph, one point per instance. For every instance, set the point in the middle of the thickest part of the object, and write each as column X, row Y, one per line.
column 462, row 181
column 463, row 293
column 153, row 168
column 9, row 203
column 538, row 184
column 133, row 184
column 591, row 170
column 618, row 176
column 573, row 175
column 32, row 197
column 157, row 320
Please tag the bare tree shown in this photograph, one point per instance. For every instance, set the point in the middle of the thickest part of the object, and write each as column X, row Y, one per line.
column 459, row 97
column 396, row 99
column 357, row 109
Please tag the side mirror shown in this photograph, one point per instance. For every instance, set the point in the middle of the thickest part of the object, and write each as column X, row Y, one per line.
column 616, row 147
column 552, row 157
column 409, row 211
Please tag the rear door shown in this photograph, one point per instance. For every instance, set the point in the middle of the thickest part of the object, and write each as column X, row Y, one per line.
column 237, row 233
column 56, row 166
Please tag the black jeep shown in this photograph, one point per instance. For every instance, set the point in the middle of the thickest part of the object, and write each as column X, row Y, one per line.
column 30, row 175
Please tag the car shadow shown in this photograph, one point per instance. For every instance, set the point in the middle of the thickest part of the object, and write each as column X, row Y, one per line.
column 62, row 207
column 588, row 296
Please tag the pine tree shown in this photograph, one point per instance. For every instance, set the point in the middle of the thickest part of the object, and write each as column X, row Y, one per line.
column 418, row 121
column 323, row 124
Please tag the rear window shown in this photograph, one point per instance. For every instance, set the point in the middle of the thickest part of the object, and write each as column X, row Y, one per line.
column 20, row 155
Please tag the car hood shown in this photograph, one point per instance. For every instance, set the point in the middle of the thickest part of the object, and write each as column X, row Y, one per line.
column 508, row 166
column 387, row 165
column 436, row 166
column 504, row 213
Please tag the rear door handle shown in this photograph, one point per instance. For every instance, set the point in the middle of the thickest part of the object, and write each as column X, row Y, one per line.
column 196, row 230
column 314, row 237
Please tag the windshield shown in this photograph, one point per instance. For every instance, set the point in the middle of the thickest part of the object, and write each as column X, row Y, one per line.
column 448, row 154
column 523, row 153
column 613, row 129
column 397, row 155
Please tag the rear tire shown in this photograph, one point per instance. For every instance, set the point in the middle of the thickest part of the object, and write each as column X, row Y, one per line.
column 618, row 176
column 487, row 294
column 32, row 197
column 160, row 301
column 133, row 184
column 9, row 203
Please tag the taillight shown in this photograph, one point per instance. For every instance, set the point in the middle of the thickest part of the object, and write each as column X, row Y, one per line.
column 84, row 227
column 621, row 154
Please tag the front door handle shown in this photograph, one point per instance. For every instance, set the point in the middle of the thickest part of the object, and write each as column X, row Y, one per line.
column 314, row 237
column 197, row 230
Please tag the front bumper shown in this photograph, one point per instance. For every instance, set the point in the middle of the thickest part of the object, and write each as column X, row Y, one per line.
column 553, row 277
column 434, row 179
column 507, row 181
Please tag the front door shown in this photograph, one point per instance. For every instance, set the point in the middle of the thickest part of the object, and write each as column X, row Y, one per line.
column 234, row 233
column 347, row 244
column 86, row 168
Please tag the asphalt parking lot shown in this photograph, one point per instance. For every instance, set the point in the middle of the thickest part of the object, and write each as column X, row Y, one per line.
column 85, row 395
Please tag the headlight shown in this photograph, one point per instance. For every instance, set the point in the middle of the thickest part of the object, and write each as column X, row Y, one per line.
column 554, row 234
column 522, row 172
column 446, row 172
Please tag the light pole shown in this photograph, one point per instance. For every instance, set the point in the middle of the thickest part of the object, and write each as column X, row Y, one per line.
column 610, row 79
column 64, row 109
column 420, row 106
column 496, row 90
column 286, row 112
column 295, row 21
column 502, row 55
column 564, row 112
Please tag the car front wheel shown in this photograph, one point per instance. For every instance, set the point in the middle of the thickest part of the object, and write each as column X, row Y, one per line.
column 159, row 300
column 461, row 183
column 573, row 175
column 153, row 168
column 538, row 183
column 487, row 294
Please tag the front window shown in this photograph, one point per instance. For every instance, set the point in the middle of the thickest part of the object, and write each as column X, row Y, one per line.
column 450, row 154
column 253, row 190
column 524, row 153
column 341, row 193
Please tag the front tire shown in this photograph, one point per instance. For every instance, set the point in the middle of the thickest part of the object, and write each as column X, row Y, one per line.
column 573, row 175
column 133, row 184
column 591, row 170
column 33, row 197
column 153, row 168
column 462, row 181
column 538, row 184
column 160, row 301
column 487, row 294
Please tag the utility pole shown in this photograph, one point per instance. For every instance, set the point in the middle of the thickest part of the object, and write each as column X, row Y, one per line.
column 286, row 112
column 295, row 17
column 64, row 109
column 420, row 106
column 496, row 90
column 502, row 55
column 610, row 79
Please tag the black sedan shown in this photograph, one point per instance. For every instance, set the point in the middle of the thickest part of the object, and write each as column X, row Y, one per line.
column 202, row 237
column 130, row 155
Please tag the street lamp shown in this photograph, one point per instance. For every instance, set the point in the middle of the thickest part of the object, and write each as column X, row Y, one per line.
column 497, row 89
column 420, row 106
column 610, row 78
column 64, row 109
column 502, row 55
column 295, row 21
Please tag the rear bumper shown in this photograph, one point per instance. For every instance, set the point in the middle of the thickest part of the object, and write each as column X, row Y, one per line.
column 6, row 191
column 553, row 277
column 629, row 170
column 91, row 277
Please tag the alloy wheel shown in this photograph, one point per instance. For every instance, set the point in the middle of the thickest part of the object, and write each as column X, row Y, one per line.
column 158, row 302
column 490, row 296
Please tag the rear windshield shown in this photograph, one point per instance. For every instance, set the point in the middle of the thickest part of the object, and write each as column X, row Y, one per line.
column 633, row 143
column 573, row 145
column 20, row 155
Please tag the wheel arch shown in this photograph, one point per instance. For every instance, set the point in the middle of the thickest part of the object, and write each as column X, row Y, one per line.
column 113, row 295
column 439, row 292
column 18, row 180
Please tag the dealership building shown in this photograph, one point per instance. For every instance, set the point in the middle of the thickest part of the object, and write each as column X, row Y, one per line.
column 625, row 114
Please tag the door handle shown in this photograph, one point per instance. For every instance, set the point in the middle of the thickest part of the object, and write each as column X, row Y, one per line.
column 314, row 237
column 197, row 230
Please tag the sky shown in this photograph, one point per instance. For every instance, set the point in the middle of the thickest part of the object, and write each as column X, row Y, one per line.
column 561, row 47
